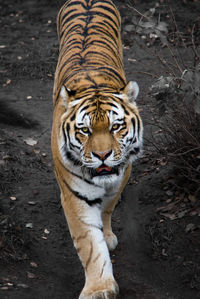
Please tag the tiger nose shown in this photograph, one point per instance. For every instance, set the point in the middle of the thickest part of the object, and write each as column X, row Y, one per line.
column 102, row 155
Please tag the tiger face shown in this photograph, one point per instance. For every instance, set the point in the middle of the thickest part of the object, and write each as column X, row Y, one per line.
column 101, row 133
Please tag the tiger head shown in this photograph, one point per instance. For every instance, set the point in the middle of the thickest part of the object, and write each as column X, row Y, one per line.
column 101, row 133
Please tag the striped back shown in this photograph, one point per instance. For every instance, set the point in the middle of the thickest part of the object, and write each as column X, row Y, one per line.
column 90, row 53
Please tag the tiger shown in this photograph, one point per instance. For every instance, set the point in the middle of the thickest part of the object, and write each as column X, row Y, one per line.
column 97, row 133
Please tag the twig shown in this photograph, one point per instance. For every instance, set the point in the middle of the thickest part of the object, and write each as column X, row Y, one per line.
column 143, row 16
column 177, row 31
column 151, row 53
column 165, row 64
column 176, row 62
column 41, row 134
column 193, row 44
column 174, row 154
column 146, row 73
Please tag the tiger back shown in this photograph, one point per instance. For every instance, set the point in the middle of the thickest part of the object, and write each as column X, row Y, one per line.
column 96, row 134
column 90, row 47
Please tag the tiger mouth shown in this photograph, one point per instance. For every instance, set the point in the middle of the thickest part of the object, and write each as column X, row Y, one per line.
column 105, row 170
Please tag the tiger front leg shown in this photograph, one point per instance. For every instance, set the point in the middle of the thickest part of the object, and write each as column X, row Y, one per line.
column 85, row 226
column 107, row 211
column 110, row 237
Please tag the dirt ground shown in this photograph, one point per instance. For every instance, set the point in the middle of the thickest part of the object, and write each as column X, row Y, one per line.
column 158, row 256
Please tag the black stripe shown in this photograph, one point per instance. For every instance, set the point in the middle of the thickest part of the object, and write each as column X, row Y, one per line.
column 73, row 117
column 81, row 197
column 112, row 105
column 74, row 146
column 69, row 3
column 67, row 129
column 105, row 43
column 91, row 80
column 86, row 107
column 76, row 15
column 73, row 28
column 104, row 55
column 76, row 175
column 68, row 12
column 126, row 112
column 133, row 123
column 108, row 25
column 101, row 14
column 139, row 128
column 106, row 69
column 106, row 8
column 75, row 161
column 76, row 136
column 104, row 32
column 124, row 135
column 64, row 135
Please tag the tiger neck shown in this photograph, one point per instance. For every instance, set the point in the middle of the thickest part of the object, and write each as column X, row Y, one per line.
column 106, row 79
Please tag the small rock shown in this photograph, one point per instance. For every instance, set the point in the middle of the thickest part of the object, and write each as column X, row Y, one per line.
column 169, row 193
column 22, row 285
column 46, row 231
column 192, row 198
column 4, row 288
column 189, row 227
column 29, row 225
column 129, row 28
column 7, row 157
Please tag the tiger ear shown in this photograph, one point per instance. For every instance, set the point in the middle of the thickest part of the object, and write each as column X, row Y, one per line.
column 131, row 90
column 65, row 94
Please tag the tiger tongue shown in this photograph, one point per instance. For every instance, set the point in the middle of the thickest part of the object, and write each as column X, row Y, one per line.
column 102, row 168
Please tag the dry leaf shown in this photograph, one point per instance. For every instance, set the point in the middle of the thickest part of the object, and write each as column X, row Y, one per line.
column 192, row 198
column 169, row 207
column 13, row 198
column 30, row 141
column 182, row 214
column 29, row 97
column 32, row 203
column 30, row 275
column 23, row 285
column 36, row 151
column 33, row 264
column 170, row 216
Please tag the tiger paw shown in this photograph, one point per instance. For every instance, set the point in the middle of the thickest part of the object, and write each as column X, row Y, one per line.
column 111, row 240
column 101, row 294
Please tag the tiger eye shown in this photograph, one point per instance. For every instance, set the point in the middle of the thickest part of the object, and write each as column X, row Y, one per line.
column 115, row 127
column 85, row 130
